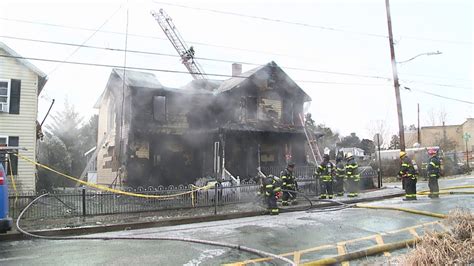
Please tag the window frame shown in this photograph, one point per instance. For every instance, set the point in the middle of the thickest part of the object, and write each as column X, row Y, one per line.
column 4, row 163
column 4, row 137
column 166, row 110
column 8, row 81
column 251, row 115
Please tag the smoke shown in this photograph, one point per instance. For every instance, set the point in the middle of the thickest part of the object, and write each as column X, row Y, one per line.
column 306, row 107
column 170, row 132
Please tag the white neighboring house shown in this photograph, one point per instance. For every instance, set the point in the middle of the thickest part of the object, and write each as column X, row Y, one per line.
column 357, row 152
column 20, row 84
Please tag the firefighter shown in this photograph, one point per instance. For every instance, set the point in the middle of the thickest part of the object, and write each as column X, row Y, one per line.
column 352, row 176
column 271, row 190
column 325, row 172
column 289, row 183
column 433, row 173
column 408, row 173
column 340, row 176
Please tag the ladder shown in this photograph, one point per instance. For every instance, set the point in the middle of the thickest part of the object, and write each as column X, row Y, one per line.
column 186, row 54
column 313, row 145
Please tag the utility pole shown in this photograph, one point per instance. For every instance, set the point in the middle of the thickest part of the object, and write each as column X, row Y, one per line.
column 395, row 79
column 466, row 137
column 419, row 135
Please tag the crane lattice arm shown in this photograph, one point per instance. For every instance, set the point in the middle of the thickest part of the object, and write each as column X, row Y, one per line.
column 186, row 54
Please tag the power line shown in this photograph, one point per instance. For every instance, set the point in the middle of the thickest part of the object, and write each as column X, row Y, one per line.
column 217, row 75
column 164, row 39
column 308, row 25
column 165, row 70
column 86, row 40
column 151, row 37
column 199, row 58
column 272, row 19
column 87, row 46
column 439, row 96
column 236, row 61
column 123, row 101
column 438, row 84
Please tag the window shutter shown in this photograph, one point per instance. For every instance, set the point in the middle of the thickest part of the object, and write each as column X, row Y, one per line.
column 15, row 91
column 13, row 141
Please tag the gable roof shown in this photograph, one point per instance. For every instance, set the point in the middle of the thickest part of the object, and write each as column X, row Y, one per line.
column 235, row 82
column 138, row 78
column 132, row 79
column 147, row 80
column 43, row 78
column 260, row 72
column 207, row 85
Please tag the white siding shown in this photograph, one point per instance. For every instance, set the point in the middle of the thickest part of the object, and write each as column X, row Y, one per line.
column 22, row 125
column 105, row 176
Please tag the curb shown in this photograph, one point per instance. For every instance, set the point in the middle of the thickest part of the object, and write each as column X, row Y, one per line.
column 179, row 221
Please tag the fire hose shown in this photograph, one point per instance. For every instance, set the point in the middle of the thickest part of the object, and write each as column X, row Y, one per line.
column 340, row 205
column 191, row 240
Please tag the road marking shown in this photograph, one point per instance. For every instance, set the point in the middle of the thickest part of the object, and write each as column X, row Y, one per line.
column 341, row 250
column 356, row 239
column 413, row 232
column 379, row 240
column 297, row 257
column 284, row 255
column 410, row 227
column 20, row 258
column 341, row 246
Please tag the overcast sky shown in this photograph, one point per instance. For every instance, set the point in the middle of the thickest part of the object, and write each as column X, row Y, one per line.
column 349, row 38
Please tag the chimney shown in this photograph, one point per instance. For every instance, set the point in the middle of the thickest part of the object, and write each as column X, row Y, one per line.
column 236, row 69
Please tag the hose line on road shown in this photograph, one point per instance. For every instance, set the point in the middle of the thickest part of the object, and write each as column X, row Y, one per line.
column 446, row 188
column 340, row 205
column 191, row 240
column 450, row 193
column 364, row 253
column 432, row 214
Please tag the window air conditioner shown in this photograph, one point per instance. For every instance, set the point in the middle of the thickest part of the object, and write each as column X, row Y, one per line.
column 3, row 108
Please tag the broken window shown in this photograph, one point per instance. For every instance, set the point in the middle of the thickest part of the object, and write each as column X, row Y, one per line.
column 287, row 115
column 252, row 108
column 268, row 153
column 159, row 108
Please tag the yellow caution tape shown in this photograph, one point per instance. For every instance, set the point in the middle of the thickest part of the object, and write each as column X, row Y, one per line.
column 104, row 188
column 13, row 179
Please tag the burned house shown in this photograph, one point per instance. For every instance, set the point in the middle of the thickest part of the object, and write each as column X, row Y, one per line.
column 152, row 135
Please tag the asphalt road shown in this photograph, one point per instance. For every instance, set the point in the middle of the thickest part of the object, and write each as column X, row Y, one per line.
column 285, row 233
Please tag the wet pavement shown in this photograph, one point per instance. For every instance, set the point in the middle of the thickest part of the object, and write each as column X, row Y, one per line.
column 281, row 234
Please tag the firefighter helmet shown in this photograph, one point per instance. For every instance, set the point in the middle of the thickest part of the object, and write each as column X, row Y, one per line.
column 326, row 157
column 432, row 151
column 349, row 155
column 402, row 154
column 291, row 164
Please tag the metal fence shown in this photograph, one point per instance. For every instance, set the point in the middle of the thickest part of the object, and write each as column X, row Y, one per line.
column 302, row 172
column 83, row 201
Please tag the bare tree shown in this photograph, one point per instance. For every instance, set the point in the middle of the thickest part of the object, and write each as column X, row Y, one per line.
column 431, row 117
column 442, row 115
column 436, row 117
column 380, row 127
